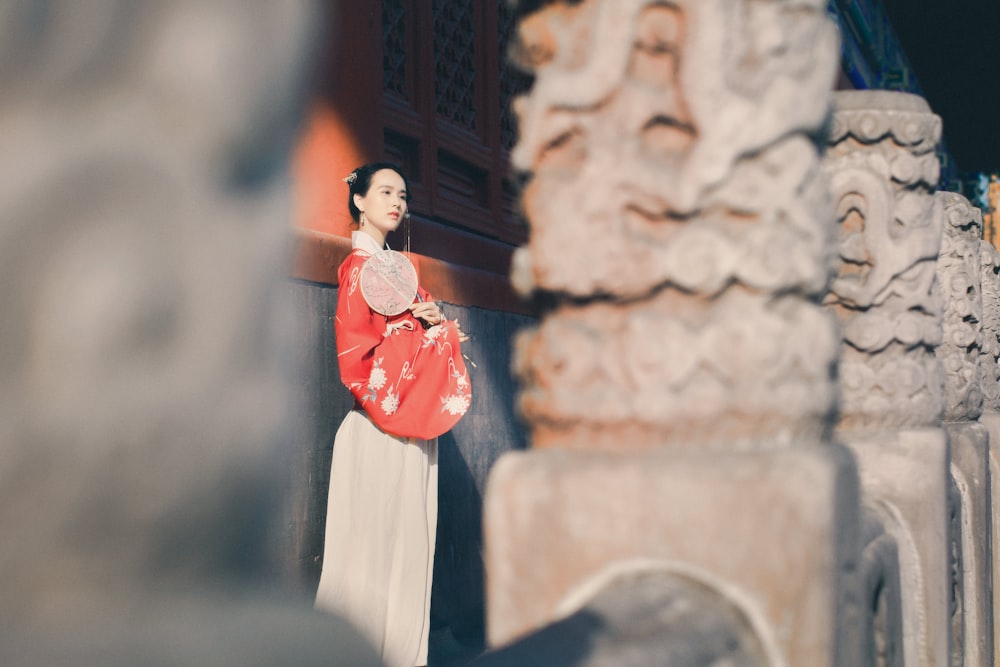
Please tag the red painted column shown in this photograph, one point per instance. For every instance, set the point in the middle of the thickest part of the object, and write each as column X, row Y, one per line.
column 344, row 128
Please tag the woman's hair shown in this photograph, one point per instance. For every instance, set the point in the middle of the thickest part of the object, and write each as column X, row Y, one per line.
column 359, row 182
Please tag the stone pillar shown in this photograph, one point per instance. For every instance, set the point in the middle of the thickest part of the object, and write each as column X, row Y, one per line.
column 989, row 340
column 679, row 387
column 883, row 172
column 989, row 369
column 959, row 272
column 143, row 336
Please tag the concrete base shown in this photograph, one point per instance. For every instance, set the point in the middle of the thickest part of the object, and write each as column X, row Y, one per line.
column 906, row 475
column 775, row 532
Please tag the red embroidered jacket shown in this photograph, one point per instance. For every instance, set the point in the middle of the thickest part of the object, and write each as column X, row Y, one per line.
column 412, row 382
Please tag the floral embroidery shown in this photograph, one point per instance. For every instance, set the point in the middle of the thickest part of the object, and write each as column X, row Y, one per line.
column 377, row 378
column 456, row 404
column 388, row 361
column 390, row 403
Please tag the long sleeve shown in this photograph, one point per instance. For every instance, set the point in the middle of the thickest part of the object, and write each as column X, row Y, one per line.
column 412, row 382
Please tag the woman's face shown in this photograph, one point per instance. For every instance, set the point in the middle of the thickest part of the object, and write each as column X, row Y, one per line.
column 384, row 205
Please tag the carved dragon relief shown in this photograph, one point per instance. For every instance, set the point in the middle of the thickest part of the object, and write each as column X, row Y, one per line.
column 886, row 292
column 645, row 143
column 674, row 228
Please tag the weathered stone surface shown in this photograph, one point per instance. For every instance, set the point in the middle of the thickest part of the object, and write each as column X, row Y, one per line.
column 881, row 622
column 143, row 393
column 905, row 475
column 960, row 275
column 670, row 149
column 775, row 533
column 990, row 374
column 989, row 363
column 681, row 238
column 883, row 171
column 991, row 421
column 970, row 470
column 679, row 214
column 672, row 370
column 643, row 616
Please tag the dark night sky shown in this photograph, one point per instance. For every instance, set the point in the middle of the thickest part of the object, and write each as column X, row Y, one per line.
column 954, row 48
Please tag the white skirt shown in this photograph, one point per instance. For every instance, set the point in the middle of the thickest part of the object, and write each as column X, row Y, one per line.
column 381, row 523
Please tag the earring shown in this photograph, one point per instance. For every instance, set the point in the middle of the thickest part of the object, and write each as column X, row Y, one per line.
column 361, row 223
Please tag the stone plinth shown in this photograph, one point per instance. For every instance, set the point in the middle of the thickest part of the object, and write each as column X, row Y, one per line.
column 905, row 474
column 991, row 421
column 970, row 470
column 770, row 531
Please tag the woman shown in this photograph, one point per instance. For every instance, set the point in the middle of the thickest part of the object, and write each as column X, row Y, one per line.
column 410, row 385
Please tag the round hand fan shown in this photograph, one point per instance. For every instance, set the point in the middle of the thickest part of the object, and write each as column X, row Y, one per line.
column 388, row 282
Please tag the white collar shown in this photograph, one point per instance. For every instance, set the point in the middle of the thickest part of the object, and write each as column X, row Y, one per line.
column 364, row 242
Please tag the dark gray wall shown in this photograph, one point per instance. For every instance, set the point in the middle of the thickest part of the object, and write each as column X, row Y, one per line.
column 466, row 453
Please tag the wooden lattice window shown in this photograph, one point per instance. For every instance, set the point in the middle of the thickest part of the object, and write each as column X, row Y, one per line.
column 447, row 90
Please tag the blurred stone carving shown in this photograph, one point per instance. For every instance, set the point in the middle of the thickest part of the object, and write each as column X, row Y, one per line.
column 648, row 141
column 883, row 172
column 676, row 201
column 960, row 275
column 142, row 389
column 681, row 238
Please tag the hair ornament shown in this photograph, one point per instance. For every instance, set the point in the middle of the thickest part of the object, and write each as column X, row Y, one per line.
column 351, row 177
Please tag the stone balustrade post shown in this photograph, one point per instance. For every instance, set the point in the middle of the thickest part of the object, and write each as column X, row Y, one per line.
column 883, row 172
column 959, row 272
column 990, row 373
column 679, row 387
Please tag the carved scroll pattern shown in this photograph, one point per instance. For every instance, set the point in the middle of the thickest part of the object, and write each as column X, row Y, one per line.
column 990, row 339
column 684, row 237
column 882, row 172
column 959, row 273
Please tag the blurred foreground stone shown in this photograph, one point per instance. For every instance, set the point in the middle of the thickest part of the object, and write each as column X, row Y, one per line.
column 143, row 393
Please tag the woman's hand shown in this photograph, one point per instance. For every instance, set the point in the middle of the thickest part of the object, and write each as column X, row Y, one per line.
column 462, row 336
column 430, row 313
column 427, row 312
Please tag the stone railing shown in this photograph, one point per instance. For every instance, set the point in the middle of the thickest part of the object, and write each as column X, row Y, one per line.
column 755, row 356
